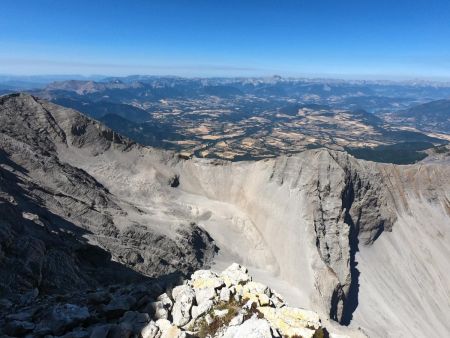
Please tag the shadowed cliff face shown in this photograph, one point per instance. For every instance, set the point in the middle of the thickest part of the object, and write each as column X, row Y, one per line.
column 60, row 225
column 305, row 218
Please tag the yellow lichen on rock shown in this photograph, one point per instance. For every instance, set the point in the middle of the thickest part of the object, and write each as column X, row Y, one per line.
column 293, row 321
column 258, row 288
column 251, row 297
column 260, row 299
column 263, row 299
column 204, row 279
column 203, row 283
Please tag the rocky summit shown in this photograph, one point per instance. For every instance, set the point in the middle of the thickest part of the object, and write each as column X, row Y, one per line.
column 101, row 236
column 208, row 304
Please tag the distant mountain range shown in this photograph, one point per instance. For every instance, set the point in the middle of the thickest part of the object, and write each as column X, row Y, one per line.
column 263, row 86
column 26, row 82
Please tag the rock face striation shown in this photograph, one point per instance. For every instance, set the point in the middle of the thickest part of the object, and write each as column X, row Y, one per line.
column 83, row 208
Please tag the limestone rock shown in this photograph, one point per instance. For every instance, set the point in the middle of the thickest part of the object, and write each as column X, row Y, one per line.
column 238, row 320
column 263, row 299
column 168, row 330
column 277, row 300
column 256, row 292
column 225, row 294
column 201, row 279
column 257, row 288
column 204, row 294
column 181, row 290
column 162, row 307
column 150, row 331
column 235, row 274
column 201, row 309
column 293, row 321
column 184, row 299
column 251, row 328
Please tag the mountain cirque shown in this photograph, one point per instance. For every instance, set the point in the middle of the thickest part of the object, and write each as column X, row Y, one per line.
column 82, row 207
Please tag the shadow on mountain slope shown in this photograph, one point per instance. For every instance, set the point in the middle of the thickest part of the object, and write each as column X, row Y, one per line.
column 41, row 250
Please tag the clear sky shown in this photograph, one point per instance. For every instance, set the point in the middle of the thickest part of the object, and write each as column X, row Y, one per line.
column 342, row 38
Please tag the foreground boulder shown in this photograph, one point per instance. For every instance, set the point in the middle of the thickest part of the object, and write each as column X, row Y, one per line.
column 252, row 328
column 184, row 299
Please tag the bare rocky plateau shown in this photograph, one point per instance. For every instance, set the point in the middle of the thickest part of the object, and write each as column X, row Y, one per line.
column 83, row 208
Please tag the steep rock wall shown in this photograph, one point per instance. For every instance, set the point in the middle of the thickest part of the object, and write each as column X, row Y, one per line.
column 318, row 198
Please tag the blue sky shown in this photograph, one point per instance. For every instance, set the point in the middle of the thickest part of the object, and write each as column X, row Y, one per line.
column 342, row 38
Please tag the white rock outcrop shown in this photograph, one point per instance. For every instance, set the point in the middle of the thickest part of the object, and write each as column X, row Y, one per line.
column 254, row 310
column 251, row 328
column 184, row 299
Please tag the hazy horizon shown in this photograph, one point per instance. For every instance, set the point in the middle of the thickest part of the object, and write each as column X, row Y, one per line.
column 306, row 77
column 378, row 40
